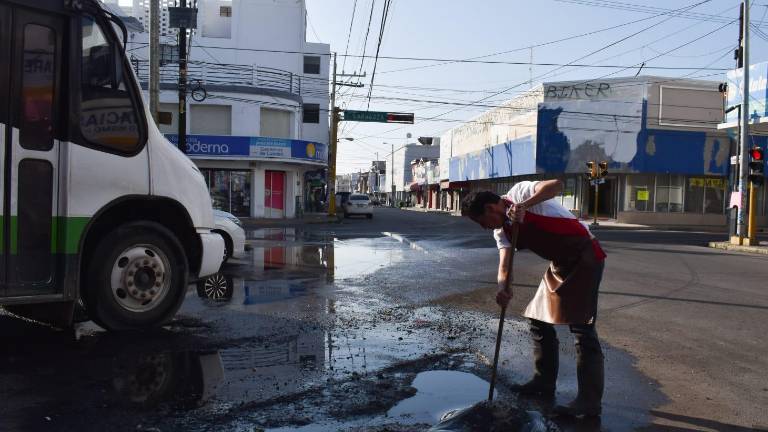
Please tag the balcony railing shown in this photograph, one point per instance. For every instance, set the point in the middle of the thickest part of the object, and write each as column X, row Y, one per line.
column 236, row 75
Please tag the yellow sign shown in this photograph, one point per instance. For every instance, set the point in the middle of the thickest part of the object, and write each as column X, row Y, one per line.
column 642, row 195
column 311, row 151
column 714, row 183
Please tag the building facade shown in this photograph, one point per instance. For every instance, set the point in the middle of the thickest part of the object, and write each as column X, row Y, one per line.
column 668, row 163
column 399, row 176
column 257, row 108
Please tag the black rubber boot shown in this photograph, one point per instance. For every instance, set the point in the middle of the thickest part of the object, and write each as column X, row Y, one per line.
column 590, row 373
column 545, row 361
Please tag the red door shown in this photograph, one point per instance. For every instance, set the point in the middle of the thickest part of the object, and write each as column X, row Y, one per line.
column 274, row 196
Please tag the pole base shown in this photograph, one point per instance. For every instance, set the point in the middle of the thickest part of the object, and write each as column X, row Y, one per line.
column 736, row 240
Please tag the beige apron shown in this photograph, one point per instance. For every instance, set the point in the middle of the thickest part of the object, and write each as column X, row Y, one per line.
column 566, row 294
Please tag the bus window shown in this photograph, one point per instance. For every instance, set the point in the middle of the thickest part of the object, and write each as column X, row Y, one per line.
column 36, row 131
column 108, row 116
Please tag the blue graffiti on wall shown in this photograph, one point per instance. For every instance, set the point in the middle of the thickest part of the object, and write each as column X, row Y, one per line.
column 512, row 158
column 657, row 151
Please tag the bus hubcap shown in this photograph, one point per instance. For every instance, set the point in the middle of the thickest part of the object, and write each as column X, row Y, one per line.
column 139, row 278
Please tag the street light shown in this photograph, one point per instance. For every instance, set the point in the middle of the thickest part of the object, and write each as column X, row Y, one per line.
column 346, row 138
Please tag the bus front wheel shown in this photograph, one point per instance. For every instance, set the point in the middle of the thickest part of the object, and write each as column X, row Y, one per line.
column 136, row 277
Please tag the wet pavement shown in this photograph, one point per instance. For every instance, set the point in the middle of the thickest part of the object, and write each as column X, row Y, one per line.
column 318, row 329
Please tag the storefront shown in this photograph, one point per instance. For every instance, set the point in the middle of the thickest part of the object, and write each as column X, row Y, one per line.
column 257, row 176
column 668, row 164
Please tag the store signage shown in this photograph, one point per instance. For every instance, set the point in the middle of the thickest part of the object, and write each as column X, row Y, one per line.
column 239, row 147
column 578, row 91
column 643, row 195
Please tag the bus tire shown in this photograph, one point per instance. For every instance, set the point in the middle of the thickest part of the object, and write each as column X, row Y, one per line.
column 136, row 278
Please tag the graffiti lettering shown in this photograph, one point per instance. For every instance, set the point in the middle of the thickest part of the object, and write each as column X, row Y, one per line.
column 576, row 91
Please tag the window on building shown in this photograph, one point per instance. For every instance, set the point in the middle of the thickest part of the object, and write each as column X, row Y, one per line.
column 714, row 195
column 210, row 119
column 225, row 11
column 172, row 108
column 639, row 193
column 705, row 195
column 311, row 113
column 169, row 54
column 312, row 65
column 275, row 123
column 669, row 193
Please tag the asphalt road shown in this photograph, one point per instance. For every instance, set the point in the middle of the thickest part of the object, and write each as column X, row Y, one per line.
column 691, row 318
column 387, row 324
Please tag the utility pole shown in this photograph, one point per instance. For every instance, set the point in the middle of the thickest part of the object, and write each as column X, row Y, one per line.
column 744, row 135
column 183, row 85
column 332, row 146
column 154, row 58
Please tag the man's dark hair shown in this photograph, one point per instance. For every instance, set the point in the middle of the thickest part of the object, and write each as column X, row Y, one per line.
column 473, row 205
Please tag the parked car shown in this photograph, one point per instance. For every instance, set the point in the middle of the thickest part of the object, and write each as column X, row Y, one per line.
column 358, row 204
column 231, row 229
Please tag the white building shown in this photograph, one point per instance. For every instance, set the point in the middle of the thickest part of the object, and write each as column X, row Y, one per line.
column 257, row 113
column 399, row 171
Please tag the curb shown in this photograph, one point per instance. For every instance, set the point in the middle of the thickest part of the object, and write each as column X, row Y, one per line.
column 760, row 250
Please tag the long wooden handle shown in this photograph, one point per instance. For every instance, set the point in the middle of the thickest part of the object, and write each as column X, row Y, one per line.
column 507, row 283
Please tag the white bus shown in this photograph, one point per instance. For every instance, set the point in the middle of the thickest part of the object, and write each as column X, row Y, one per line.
column 98, row 211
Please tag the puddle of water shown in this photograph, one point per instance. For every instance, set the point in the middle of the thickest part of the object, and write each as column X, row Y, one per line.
column 439, row 392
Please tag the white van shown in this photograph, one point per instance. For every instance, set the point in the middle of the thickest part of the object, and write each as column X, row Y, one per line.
column 99, row 211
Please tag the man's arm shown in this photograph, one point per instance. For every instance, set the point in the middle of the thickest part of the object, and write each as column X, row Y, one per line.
column 542, row 191
column 504, row 294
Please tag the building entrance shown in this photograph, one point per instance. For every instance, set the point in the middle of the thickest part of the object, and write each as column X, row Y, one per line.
column 606, row 203
column 274, row 194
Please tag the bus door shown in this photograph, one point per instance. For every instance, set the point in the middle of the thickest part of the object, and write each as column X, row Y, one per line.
column 5, row 40
column 35, row 109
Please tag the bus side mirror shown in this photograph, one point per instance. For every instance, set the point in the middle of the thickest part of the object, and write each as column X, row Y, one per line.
column 164, row 117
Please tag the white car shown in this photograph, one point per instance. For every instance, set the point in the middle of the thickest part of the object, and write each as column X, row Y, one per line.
column 358, row 204
column 230, row 227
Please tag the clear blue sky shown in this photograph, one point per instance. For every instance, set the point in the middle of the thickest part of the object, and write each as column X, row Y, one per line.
column 461, row 29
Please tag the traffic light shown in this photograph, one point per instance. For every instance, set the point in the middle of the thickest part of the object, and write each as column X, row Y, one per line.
column 756, row 166
column 591, row 171
column 603, row 169
column 400, row 118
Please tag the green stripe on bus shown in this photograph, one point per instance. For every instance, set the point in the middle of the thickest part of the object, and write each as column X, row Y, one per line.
column 73, row 231
column 65, row 234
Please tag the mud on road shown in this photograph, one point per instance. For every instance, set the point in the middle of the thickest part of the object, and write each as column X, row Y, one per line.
column 312, row 332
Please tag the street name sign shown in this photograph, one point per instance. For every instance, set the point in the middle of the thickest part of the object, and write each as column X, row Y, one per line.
column 378, row 117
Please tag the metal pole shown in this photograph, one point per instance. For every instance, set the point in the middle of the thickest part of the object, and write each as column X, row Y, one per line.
column 597, row 195
column 154, row 58
column 752, row 232
column 744, row 136
column 332, row 146
column 183, row 86
column 392, row 176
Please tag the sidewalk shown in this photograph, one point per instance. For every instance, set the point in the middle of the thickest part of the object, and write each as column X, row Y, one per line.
column 609, row 224
column 306, row 219
column 761, row 248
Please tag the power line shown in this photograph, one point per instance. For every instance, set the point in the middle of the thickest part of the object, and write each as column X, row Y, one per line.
column 349, row 35
column 382, row 27
column 578, row 59
column 565, row 39
column 367, row 32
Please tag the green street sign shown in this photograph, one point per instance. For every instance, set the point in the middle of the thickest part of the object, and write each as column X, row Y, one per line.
column 378, row 117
